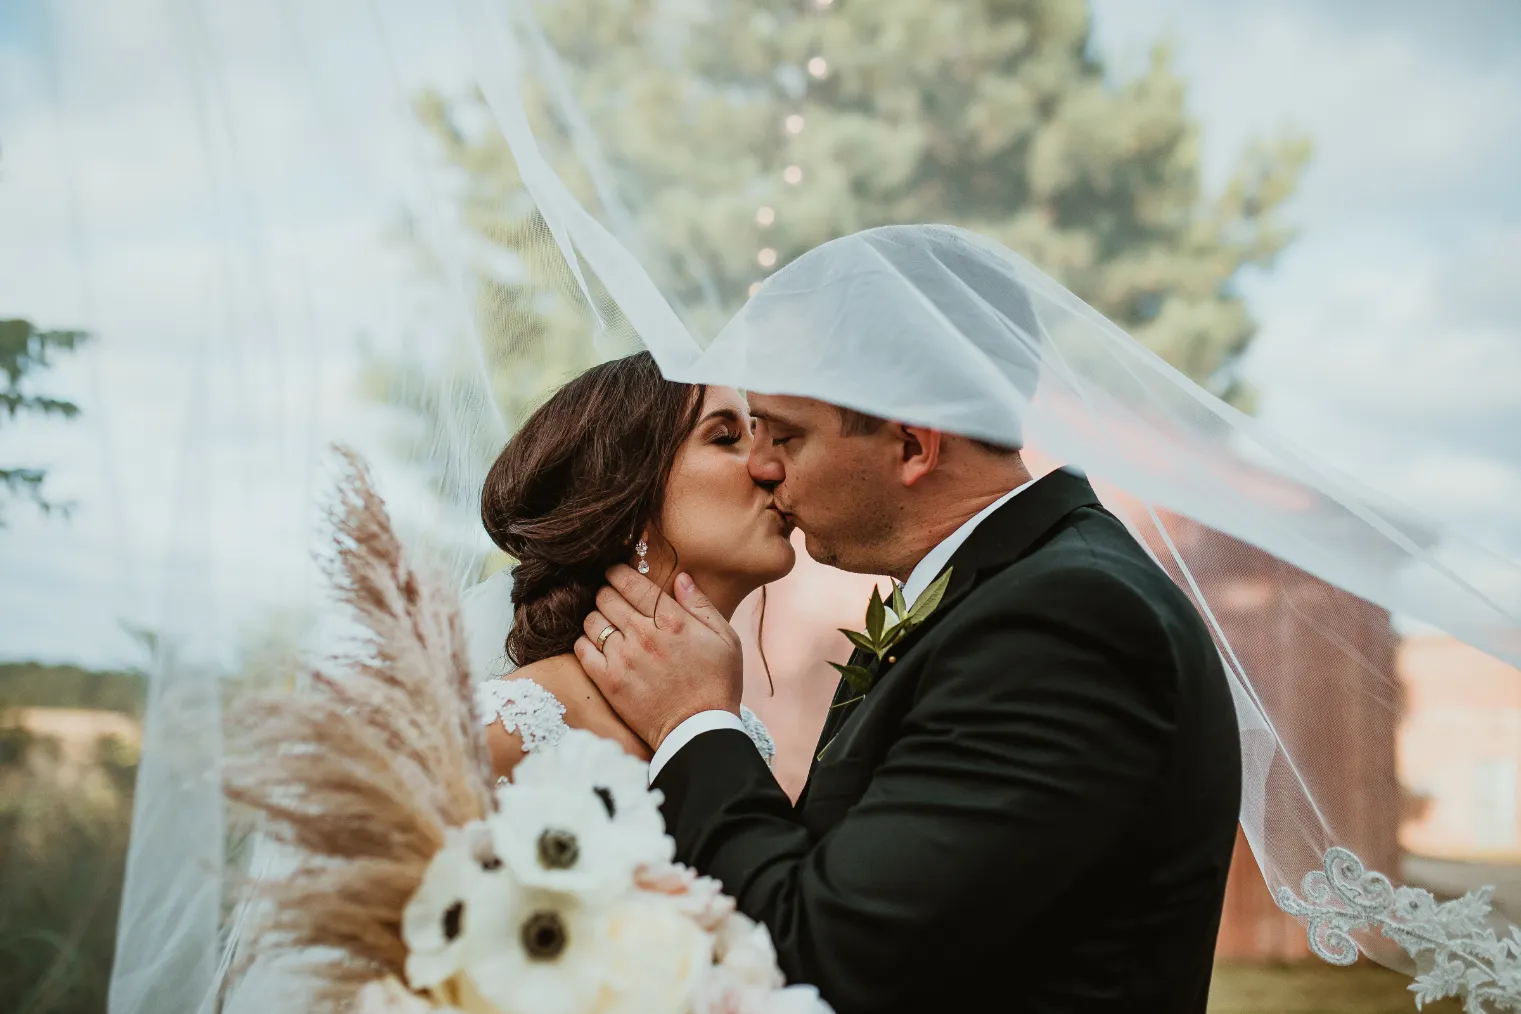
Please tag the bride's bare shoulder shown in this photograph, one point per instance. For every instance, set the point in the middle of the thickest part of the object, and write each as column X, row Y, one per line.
column 563, row 676
column 585, row 707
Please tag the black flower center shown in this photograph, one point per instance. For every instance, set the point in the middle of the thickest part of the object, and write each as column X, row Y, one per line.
column 481, row 849
column 454, row 915
column 544, row 936
column 558, row 850
column 606, row 795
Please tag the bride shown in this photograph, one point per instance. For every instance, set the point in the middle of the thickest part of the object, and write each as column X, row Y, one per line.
column 619, row 466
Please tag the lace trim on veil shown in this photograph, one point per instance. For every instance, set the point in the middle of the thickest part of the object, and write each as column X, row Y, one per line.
column 1466, row 958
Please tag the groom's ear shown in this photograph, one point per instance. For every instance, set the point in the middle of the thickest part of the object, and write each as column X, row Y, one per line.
column 919, row 447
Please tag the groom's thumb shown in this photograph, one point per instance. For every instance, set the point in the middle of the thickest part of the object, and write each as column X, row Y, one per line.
column 695, row 602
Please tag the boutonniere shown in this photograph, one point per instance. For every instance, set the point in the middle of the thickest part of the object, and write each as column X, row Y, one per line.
column 879, row 637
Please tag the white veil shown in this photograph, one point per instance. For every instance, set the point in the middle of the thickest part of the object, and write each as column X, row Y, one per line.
column 487, row 611
column 940, row 327
column 928, row 324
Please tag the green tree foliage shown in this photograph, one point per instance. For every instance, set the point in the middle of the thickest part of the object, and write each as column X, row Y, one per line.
column 34, row 685
column 24, row 351
column 746, row 130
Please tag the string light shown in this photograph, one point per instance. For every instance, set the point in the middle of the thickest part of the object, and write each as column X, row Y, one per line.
column 793, row 124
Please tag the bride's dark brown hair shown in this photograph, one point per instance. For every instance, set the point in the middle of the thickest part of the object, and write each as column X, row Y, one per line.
column 573, row 489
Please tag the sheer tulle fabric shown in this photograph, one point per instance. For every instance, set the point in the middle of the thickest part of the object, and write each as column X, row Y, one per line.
column 247, row 315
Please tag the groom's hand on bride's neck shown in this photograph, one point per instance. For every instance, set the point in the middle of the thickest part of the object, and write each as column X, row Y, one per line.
column 667, row 659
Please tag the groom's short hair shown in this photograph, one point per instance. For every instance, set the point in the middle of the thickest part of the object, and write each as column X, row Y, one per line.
column 860, row 424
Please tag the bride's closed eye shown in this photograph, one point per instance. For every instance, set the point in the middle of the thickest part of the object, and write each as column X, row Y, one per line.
column 727, row 436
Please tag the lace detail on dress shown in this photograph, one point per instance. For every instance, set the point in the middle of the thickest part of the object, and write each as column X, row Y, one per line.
column 756, row 730
column 525, row 708
column 1466, row 957
column 538, row 717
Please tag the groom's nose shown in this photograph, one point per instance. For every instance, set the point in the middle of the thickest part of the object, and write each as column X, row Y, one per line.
column 765, row 467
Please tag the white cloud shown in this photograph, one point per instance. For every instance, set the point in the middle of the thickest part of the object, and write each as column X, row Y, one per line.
column 232, row 250
column 1390, row 337
column 1395, row 118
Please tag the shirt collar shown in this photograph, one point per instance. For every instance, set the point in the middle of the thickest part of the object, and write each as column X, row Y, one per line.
column 935, row 560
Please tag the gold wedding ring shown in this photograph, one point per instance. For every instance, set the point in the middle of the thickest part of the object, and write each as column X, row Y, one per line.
column 607, row 631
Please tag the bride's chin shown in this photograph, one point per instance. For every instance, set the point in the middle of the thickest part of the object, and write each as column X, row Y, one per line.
column 785, row 558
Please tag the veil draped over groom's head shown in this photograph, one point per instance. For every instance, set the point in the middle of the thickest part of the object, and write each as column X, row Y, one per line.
column 919, row 323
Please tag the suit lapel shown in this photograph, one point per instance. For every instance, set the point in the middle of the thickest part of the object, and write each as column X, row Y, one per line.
column 840, row 706
column 1003, row 537
column 1015, row 528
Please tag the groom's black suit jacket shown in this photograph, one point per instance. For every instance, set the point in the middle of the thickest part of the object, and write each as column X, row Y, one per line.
column 1034, row 808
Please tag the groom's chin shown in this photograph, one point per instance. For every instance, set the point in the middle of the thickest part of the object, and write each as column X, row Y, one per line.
column 850, row 557
column 823, row 552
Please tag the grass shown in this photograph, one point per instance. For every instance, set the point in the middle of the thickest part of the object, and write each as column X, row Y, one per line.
column 1311, row 987
column 63, row 840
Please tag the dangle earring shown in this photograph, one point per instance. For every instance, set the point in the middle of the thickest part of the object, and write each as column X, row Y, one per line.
column 641, row 549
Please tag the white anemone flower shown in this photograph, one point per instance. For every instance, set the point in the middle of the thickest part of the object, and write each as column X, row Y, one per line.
column 656, row 957
column 466, row 895
column 553, row 960
column 555, row 840
column 583, row 762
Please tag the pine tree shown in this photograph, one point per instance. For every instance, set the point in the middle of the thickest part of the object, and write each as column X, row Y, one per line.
column 25, row 350
column 745, row 132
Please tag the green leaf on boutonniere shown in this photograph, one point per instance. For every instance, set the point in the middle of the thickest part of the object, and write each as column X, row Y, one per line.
column 930, row 598
column 877, row 641
column 876, row 616
column 859, row 678
column 860, row 640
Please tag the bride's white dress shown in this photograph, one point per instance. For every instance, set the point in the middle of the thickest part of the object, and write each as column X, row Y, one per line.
column 538, row 717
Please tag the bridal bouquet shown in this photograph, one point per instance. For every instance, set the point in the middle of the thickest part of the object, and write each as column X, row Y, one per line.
column 411, row 883
column 565, row 900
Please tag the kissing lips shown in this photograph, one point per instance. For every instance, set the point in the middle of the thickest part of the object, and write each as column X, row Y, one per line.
column 786, row 519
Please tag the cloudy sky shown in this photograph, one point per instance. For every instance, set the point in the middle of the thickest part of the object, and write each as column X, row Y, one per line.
column 1391, row 328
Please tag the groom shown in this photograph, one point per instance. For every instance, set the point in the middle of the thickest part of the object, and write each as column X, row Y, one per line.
column 1034, row 801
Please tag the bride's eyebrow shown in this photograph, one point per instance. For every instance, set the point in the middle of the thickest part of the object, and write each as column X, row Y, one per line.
column 726, row 414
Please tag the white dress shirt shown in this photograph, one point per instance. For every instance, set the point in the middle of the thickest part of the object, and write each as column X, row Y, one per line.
column 919, row 579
